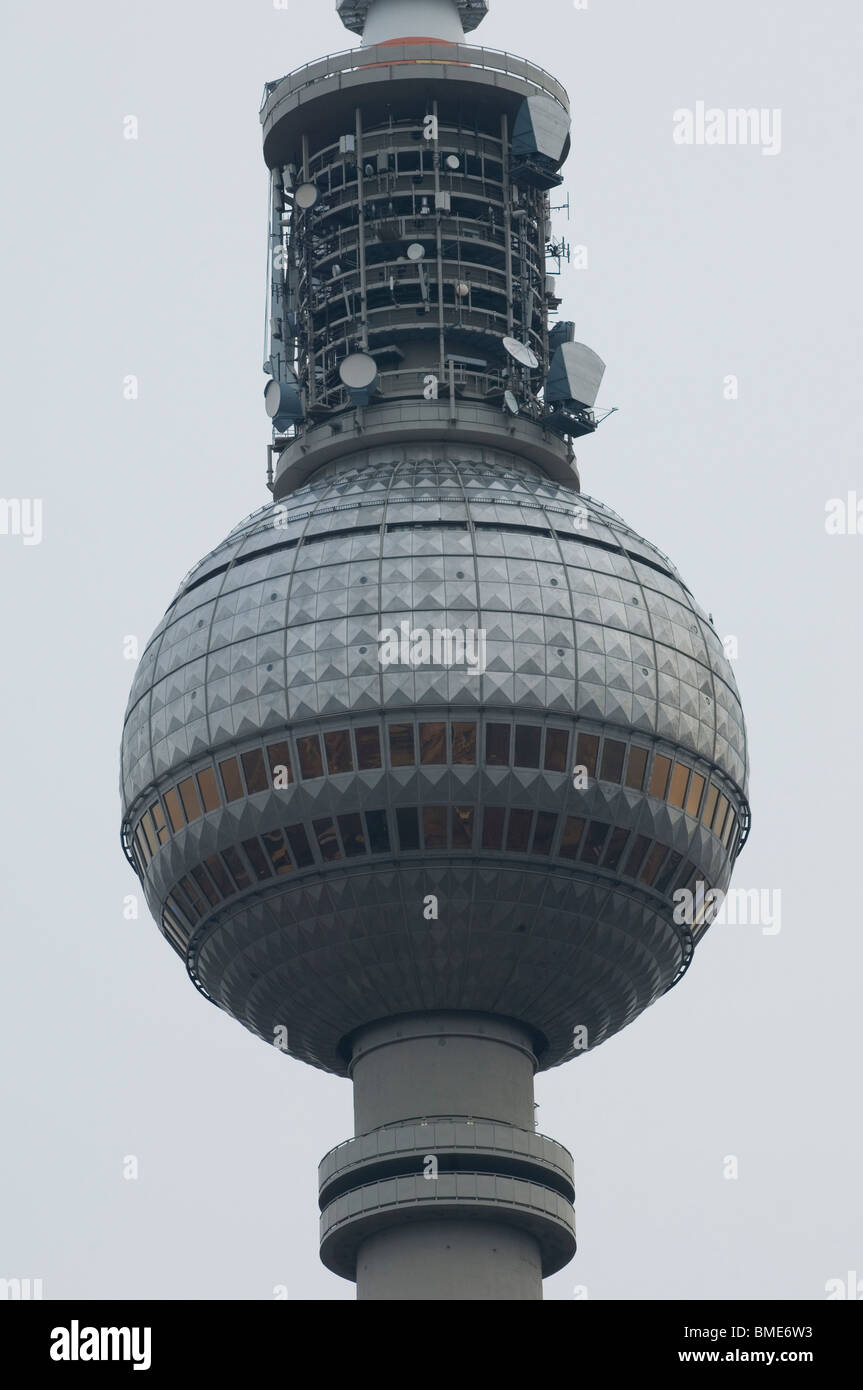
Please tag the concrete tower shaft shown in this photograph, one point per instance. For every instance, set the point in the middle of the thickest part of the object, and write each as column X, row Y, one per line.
column 385, row 21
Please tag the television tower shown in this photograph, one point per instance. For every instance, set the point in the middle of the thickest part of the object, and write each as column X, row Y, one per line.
column 433, row 768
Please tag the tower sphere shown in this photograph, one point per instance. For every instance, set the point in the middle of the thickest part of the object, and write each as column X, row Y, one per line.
column 554, row 793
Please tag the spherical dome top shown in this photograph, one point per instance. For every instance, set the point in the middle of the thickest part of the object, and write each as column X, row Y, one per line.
column 432, row 734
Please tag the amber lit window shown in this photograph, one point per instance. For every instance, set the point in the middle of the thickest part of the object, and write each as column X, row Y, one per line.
column 433, row 743
column 281, row 770
column 408, row 827
column 719, row 818
column 611, row 858
column 544, row 832
column 462, row 827
column 693, row 800
column 257, row 858
column 208, row 789
column 709, row 806
column 527, row 740
column 556, row 749
column 730, row 828
column 669, row 870
column 352, row 833
column 143, row 849
column 613, row 754
column 402, row 745
column 497, row 745
column 571, row 837
column 594, row 841
column 653, row 864
column 300, row 847
column 202, row 878
column 236, row 866
column 274, row 844
column 175, row 811
column 434, row 827
column 378, row 830
column 162, row 833
column 518, row 831
column 492, row 827
column 636, row 767
column 255, row 770
column 368, row 749
column 150, row 832
column 635, row 858
column 189, row 798
column 340, row 756
column 328, row 841
column 587, row 749
column 231, row 780
column 219, row 875
column 659, row 776
column 309, row 750
column 679, row 779
column 464, row 743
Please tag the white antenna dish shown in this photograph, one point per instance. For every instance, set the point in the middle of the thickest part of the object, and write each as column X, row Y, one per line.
column 462, row 289
column 452, row 162
column 416, row 252
column 307, row 195
column 358, row 373
column 521, row 353
column 510, row 402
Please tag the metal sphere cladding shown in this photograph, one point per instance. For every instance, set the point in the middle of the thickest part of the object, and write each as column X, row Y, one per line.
column 433, row 680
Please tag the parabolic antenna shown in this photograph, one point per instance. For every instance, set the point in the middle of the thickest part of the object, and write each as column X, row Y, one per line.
column 452, row 162
column 359, row 373
column 416, row 252
column 510, row 402
column 521, row 353
column 307, row 195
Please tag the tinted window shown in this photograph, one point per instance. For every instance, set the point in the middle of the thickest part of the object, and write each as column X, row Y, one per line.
column 611, row 858
column 659, row 776
column 328, row 843
column 497, row 745
column 150, row 833
column 668, row 872
column 237, row 867
column 402, row 745
column 231, row 780
column 693, row 800
column 636, row 855
column 379, row 835
column 408, row 827
column 256, row 772
column 518, row 831
column 300, row 847
column 257, row 858
column 208, row 789
column 219, row 875
column 175, row 813
column 709, row 806
column 544, row 832
column 159, row 823
column 653, row 864
column 339, row 755
column 353, row 837
column 594, row 841
column 527, row 741
column 462, row 827
column 311, row 763
column 679, row 779
column 571, row 837
column 434, row 826
column 636, row 767
column 274, row 844
column 613, row 754
column 492, row 827
column 368, row 749
column 464, row 743
column 189, row 798
column 202, row 878
column 719, row 818
column 433, row 743
column 556, row 750
column 586, row 752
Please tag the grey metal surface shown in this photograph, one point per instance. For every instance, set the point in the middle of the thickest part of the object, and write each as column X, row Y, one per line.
column 354, row 13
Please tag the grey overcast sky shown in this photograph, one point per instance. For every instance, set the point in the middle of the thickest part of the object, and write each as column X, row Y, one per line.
column 147, row 257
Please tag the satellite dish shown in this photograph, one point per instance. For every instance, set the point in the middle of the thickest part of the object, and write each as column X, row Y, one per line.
column 359, row 373
column 452, row 162
column 510, row 402
column 521, row 353
column 416, row 252
column 282, row 403
column 307, row 195
column 462, row 288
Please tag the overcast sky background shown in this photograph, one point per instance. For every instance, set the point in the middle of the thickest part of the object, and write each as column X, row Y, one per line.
column 148, row 258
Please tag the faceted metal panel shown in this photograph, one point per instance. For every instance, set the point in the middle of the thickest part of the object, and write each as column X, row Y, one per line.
column 276, row 634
